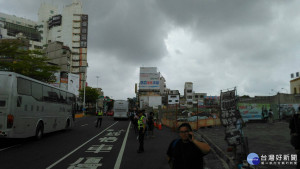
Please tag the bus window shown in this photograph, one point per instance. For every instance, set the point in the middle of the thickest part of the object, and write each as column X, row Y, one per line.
column 46, row 91
column 70, row 98
column 63, row 97
column 55, row 95
column 24, row 86
column 37, row 91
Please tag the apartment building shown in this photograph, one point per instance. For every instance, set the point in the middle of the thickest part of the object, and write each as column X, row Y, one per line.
column 69, row 27
column 188, row 94
column 13, row 27
column 59, row 55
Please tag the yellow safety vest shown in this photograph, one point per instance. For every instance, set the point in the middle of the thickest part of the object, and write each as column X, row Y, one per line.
column 140, row 122
column 100, row 113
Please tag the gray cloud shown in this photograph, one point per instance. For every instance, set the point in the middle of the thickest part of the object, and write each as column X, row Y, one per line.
column 129, row 30
column 217, row 44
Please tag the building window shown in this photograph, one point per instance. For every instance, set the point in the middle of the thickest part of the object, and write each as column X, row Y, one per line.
column 170, row 100
column 189, row 91
column 84, row 24
column 83, row 30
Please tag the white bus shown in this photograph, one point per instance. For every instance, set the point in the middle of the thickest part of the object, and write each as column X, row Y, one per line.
column 29, row 107
column 120, row 109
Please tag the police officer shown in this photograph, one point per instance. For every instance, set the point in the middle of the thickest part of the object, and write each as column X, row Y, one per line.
column 141, row 128
column 99, row 114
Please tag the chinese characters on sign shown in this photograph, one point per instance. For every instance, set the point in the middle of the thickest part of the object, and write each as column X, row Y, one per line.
column 95, row 162
column 230, row 116
column 279, row 159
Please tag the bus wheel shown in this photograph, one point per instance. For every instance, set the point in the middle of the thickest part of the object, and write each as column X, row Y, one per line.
column 39, row 131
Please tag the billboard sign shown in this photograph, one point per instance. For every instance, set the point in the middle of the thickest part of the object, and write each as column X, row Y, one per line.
column 230, row 116
column 228, row 108
column 149, row 81
column 253, row 111
column 73, row 83
column 57, row 80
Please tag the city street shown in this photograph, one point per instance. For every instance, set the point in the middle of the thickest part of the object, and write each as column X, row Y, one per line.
column 113, row 145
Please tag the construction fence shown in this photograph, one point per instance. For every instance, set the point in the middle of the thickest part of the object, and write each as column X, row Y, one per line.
column 173, row 118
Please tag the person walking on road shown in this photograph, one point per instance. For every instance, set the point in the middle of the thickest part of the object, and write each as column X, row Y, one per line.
column 270, row 116
column 99, row 115
column 294, row 126
column 141, row 128
column 187, row 152
column 150, row 122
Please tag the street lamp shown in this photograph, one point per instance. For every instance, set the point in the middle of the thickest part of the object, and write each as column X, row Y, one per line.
column 84, row 84
column 97, row 81
column 97, row 99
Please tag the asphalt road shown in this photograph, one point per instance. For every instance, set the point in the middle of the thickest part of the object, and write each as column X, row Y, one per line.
column 113, row 146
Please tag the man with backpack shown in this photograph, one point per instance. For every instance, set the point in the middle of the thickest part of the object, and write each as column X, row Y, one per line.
column 187, row 152
column 295, row 134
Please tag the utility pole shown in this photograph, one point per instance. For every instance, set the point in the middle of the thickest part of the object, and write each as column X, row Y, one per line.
column 97, row 99
column 84, row 82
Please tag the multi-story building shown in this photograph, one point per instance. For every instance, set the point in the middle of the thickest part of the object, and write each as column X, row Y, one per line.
column 173, row 97
column 71, row 28
column 13, row 27
column 188, row 93
column 295, row 83
column 198, row 98
column 149, row 87
column 59, row 55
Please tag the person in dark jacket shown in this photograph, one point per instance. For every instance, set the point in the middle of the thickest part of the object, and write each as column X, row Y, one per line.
column 187, row 152
column 295, row 134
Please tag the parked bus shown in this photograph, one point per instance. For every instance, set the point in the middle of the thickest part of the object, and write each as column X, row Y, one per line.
column 29, row 107
column 120, row 109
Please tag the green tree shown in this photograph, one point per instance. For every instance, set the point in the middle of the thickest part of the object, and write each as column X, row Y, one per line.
column 91, row 95
column 15, row 57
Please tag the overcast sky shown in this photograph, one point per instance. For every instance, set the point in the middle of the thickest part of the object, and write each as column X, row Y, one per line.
column 253, row 45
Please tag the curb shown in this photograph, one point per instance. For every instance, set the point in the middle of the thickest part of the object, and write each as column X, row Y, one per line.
column 218, row 150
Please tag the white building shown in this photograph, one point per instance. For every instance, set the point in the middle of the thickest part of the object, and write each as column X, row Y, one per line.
column 12, row 27
column 173, row 97
column 69, row 27
column 188, row 93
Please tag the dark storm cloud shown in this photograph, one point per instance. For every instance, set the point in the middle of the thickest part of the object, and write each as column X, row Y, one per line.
column 132, row 31
column 217, row 44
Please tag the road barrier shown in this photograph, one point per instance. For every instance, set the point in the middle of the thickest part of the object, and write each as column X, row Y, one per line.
column 210, row 122
column 79, row 115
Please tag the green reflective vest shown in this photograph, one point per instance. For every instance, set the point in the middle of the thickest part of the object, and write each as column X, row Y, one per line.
column 141, row 123
column 100, row 113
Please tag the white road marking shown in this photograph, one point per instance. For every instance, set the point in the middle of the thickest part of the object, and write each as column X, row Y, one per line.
column 52, row 165
column 120, row 156
column 9, row 147
column 84, row 125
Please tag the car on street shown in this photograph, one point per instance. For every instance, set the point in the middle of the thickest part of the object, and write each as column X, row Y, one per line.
column 110, row 113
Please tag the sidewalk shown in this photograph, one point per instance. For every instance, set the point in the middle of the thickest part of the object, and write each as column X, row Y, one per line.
column 263, row 139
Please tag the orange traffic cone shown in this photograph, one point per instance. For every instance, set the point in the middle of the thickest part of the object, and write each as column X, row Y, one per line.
column 159, row 126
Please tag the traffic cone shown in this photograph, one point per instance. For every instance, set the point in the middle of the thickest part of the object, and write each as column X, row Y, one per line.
column 159, row 126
